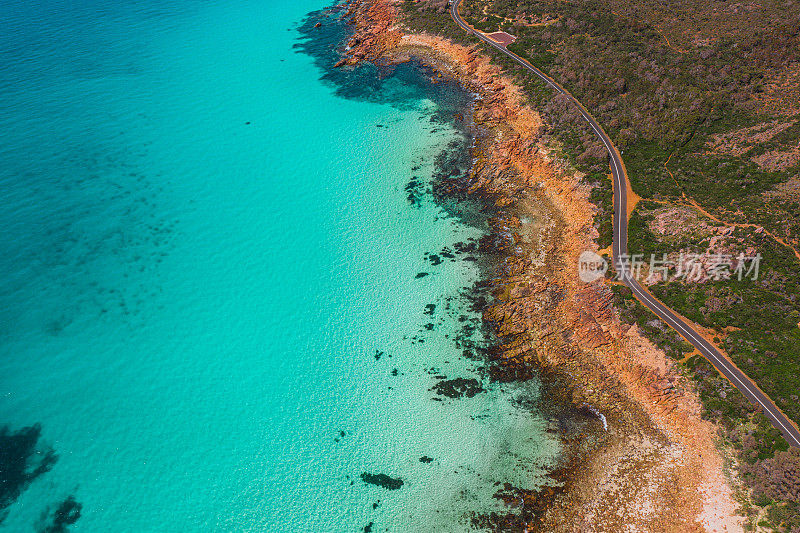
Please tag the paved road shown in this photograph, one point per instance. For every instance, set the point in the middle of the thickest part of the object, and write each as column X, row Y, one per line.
column 620, row 251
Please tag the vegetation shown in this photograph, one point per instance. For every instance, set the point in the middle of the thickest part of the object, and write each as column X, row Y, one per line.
column 758, row 318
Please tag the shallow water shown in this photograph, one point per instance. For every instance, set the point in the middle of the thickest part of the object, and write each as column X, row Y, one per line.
column 211, row 297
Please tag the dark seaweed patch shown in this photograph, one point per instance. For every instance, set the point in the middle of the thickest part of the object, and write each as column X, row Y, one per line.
column 466, row 247
column 421, row 275
column 22, row 460
column 382, row 480
column 416, row 190
column 429, row 308
column 66, row 514
column 452, row 182
column 425, row 459
column 458, row 387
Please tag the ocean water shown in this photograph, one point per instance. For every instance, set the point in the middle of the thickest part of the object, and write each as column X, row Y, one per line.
column 212, row 297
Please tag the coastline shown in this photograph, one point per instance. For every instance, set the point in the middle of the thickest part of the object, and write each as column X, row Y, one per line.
column 656, row 466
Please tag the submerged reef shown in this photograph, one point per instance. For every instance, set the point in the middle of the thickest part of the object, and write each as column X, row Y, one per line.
column 66, row 514
column 458, row 387
column 382, row 480
column 22, row 460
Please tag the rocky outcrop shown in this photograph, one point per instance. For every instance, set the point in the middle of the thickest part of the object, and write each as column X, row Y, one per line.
column 375, row 38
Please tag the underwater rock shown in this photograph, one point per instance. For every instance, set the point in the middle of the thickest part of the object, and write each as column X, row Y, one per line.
column 458, row 387
column 382, row 480
column 67, row 513
column 21, row 462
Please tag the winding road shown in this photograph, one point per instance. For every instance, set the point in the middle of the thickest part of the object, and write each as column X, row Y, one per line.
column 620, row 252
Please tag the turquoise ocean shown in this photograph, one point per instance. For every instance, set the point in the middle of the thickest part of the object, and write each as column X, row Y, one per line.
column 228, row 297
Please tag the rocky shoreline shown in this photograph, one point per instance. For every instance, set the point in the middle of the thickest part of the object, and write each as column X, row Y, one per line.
column 647, row 461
